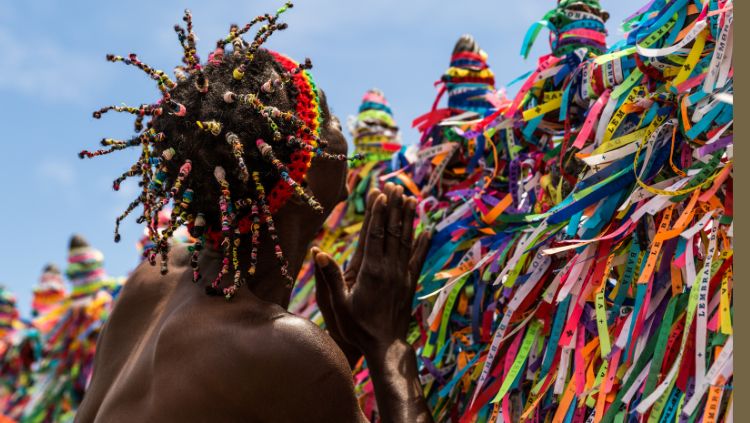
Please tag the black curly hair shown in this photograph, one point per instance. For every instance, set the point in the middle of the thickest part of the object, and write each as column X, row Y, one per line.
column 247, row 119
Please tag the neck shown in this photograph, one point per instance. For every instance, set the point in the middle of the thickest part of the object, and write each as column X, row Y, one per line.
column 268, row 284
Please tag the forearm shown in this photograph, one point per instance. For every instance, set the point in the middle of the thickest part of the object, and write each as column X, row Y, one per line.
column 393, row 370
column 351, row 352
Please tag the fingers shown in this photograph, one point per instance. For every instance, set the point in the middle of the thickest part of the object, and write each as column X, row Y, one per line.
column 375, row 236
column 394, row 224
column 328, row 272
column 356, row 260
column 418, row 256
column 407, row 232
column 323, row 297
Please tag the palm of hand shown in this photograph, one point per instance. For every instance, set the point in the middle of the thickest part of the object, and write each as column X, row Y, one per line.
column 370, row 304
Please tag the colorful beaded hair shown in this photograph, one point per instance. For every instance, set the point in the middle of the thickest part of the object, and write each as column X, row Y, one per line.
column 179, row 236
column 249, row 117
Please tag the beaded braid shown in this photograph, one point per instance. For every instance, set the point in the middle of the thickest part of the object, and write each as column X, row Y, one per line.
column 148, row 182
column 237, row 151
column 114, row 147
column 134, row 170
column 193, row 58
column 268, row 173
column 177, row 218
column 227, row 217
column 125, row 214
column 198, row 232
column 162, row 80
column 268, row 220
column 179, row 212
column 142, row 110
column 260, row 37
column 255, row 240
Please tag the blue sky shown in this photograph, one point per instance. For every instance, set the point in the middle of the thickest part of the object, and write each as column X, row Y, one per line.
column 53, row 75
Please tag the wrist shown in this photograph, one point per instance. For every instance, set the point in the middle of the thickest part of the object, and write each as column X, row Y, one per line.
column 395, row 377
column 381, row 351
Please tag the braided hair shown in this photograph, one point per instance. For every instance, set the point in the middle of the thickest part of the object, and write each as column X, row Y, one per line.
column 228, row 143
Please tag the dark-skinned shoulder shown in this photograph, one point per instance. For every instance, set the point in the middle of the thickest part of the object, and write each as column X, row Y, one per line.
column 135, row 309
column 147, row 280
column 297, row 372
column 139, row 303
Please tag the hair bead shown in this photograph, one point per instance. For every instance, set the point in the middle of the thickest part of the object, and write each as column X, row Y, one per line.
column 211, row 126
column 229, row 97
column 201, row 84
column 178, row 109
column 181, row 176
column 239, row 72
column 168, row 154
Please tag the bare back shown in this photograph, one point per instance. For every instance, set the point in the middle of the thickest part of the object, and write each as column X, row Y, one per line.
column 171, row 353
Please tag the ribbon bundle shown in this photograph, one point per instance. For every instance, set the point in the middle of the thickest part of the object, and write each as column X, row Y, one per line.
column 68, row 334
column 596, row 284
column 19, row 348
column 49, row 293
column 581, row 267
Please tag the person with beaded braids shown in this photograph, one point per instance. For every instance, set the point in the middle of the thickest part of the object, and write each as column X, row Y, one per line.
column 247, row 152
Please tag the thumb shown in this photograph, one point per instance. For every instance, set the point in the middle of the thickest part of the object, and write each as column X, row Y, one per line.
column 419, row 254
column 322, row 293
column 325, row 302
column 328, row 273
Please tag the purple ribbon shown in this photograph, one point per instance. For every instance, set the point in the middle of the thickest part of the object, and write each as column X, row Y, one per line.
column 710, row 148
